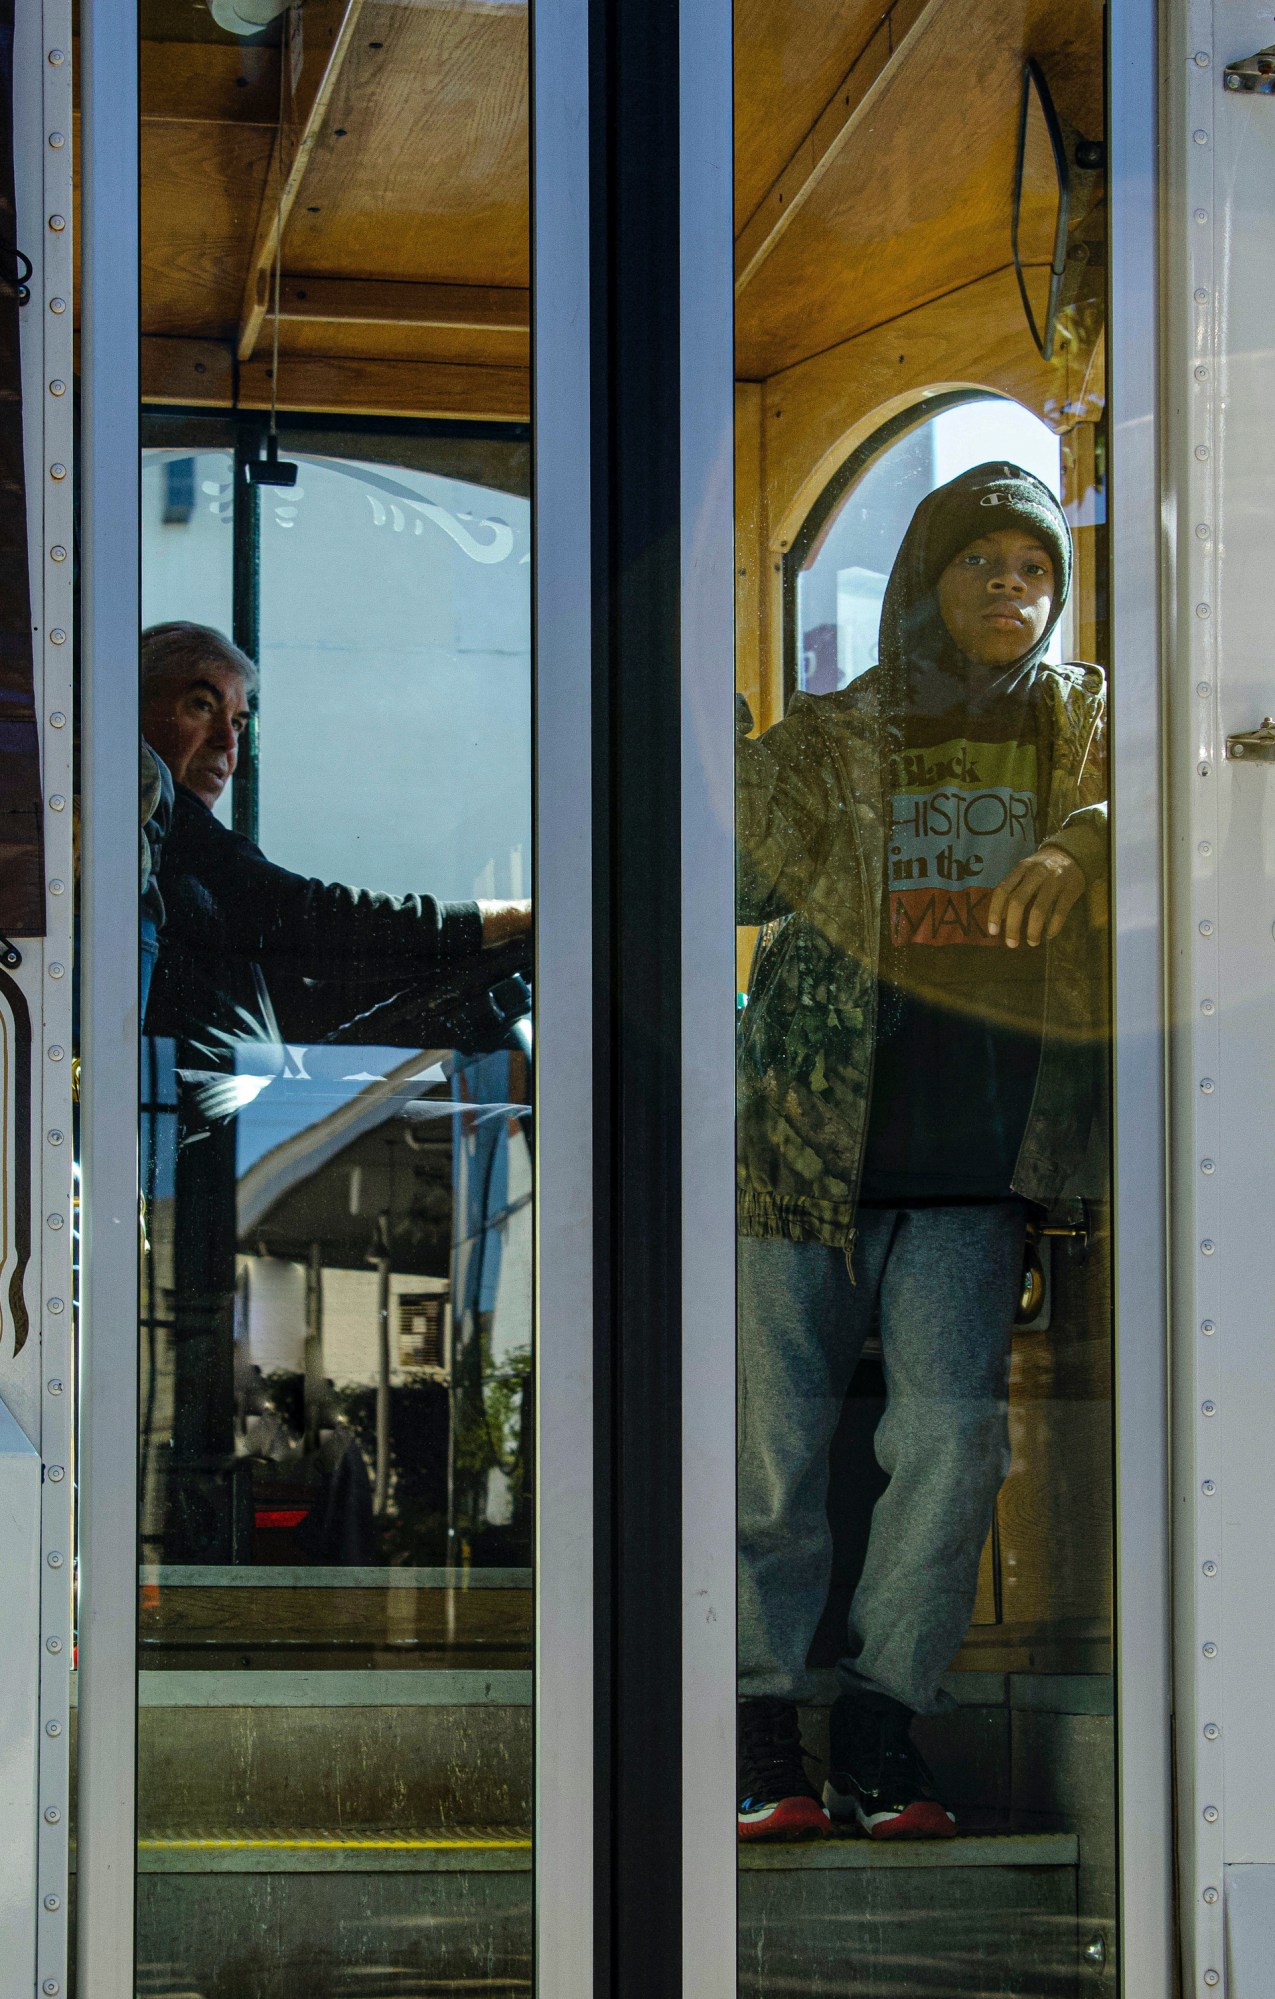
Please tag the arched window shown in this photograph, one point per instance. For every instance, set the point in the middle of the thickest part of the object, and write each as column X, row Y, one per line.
column 836, row 571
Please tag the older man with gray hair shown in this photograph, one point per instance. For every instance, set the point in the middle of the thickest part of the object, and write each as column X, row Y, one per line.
column 329, row 950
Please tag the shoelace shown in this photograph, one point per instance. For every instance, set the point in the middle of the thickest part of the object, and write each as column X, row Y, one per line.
column 893, row 1750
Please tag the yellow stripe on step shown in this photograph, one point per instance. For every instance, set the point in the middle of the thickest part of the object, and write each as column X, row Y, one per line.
column 337, row 1842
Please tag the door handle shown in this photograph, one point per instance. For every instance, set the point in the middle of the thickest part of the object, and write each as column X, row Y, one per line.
column 1258, row 745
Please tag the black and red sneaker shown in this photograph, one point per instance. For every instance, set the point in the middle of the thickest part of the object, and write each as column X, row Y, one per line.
column 776, row 1798
column 878, row 1776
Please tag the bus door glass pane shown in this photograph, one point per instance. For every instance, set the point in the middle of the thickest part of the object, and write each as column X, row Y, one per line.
column 336, row 1420
column 925, row 1665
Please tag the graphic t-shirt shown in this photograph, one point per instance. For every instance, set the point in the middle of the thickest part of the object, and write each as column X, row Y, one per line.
column 959, row 1015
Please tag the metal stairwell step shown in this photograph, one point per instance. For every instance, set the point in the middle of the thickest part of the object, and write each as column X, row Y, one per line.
column 1049, row 1849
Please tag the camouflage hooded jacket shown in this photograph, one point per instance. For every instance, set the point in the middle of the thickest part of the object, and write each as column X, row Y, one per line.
column 812, row 820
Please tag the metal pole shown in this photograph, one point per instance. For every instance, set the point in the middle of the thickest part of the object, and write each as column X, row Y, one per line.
column 381, row 1490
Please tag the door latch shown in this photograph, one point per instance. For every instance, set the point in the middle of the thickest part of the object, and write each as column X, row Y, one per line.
column 1257, row 745
column 1253, row 73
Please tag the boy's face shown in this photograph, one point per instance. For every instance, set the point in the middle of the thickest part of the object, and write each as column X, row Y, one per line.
column 996, row 595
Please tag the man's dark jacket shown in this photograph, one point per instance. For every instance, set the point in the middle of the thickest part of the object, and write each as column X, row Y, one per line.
column 327, row 953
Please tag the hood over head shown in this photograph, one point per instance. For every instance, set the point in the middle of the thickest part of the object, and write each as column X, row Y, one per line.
column 978, row 502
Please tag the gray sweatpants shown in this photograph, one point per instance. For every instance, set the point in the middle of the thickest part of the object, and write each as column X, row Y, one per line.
column 946, row 1281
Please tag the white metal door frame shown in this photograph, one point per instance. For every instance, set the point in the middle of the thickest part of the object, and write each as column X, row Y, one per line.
column 36, row 1370
column 1220, row 448
column 1142, row 1606
column 1141, row 1414
column 563, row 847
column 110, row 571
column 709, row 1842
column 111, row 607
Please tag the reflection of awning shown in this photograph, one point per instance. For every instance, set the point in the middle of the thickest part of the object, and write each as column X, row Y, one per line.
column 330, row 1182
column 21, row 818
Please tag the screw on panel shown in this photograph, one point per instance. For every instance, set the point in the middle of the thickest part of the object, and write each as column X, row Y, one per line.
column 1209, row 1649
column 1207, row 1086
column 1209, row 1569
column 1208, row 1326
column 1211, row 1731
column 1210, row 1814
column 1210, row 1896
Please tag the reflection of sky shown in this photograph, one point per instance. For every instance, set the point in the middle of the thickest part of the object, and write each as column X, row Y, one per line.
column 331, row 1077
column 316, row 1081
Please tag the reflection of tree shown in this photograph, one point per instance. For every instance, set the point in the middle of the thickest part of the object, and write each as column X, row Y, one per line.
column 491, row 1429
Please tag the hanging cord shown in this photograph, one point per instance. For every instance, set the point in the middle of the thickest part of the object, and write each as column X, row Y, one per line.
column 270, row 471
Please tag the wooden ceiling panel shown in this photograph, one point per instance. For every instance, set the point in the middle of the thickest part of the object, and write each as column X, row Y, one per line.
column 916, row 199
column 202, row 80
column 790, row 55
column 201, row 191
column 421, row 171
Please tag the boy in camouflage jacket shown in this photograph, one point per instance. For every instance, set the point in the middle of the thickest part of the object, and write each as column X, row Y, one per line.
column 922, row 1056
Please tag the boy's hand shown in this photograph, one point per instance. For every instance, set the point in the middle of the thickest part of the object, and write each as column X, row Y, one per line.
column 1036, row 898
column 503, row 921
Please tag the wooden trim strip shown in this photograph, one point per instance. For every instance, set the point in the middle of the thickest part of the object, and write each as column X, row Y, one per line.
column 200, row 374
column 320, row 73
column 376, row 302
